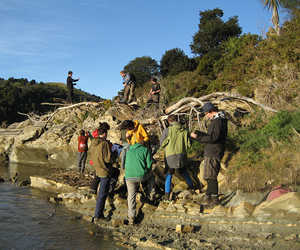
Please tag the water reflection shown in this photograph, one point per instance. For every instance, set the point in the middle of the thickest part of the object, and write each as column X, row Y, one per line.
column 28, row 221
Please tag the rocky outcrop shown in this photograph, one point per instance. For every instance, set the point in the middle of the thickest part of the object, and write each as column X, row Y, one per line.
column 51, row 142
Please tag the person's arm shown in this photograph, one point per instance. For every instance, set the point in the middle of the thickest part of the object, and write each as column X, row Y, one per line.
column 149, row 159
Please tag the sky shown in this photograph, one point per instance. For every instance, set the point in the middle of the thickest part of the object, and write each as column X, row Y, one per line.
column 42, row 40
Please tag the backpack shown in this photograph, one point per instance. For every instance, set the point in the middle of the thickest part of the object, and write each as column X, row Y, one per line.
column 276, row 192
column 82, row 145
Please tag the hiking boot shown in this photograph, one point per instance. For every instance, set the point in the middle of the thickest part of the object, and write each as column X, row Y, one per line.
column 214, row 201
column 100, row 219
column 204, row 200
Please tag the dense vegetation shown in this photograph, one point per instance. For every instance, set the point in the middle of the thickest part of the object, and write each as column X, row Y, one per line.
column 20, row 95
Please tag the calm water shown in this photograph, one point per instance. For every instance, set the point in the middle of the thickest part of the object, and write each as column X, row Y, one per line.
column 28, row 221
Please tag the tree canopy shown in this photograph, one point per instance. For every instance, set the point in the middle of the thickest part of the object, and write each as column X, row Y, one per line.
column 213, row 31
column 175, row 61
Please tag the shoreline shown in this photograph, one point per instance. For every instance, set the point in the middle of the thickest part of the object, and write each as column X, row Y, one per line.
column 183, row 224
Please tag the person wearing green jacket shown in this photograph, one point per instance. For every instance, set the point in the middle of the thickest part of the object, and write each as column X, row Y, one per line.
column 138, row 168
column 175, row 140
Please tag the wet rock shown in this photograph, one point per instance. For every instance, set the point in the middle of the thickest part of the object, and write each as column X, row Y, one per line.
column 87, row 218
column 117, row 222
column 24, row 183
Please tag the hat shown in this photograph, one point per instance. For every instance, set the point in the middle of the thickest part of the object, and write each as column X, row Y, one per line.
column 207, row 107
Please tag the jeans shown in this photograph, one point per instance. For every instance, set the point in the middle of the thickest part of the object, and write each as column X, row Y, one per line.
column 126, row 146
column 112, row 182
column 103, row 192
column 81, row 159
column 132, row 187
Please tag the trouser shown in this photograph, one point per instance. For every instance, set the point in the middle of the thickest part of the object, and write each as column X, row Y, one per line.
column 129, row 91
column 81, row 159
column 112, row 182
column 103, row 192
column 70, row 96
column 210, row 173
column 153, row 98
column 132, row 187
column 170, row 171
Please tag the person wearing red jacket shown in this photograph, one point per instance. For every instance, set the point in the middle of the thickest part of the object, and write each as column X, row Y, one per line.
column 82, row 150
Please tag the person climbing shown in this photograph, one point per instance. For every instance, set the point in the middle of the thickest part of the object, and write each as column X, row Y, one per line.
column 175, row 140
column 70, row 85
column 138, row 169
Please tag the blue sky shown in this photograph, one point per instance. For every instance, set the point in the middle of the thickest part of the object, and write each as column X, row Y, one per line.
column 44, row 39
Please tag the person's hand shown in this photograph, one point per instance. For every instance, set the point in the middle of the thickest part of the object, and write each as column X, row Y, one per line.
column 193, row 135
column 127, row 135
column 124, row 85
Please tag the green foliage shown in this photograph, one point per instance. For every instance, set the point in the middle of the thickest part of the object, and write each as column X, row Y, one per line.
column 213, row 31
column 20, row 95
column 143, row 68
column 175, row 61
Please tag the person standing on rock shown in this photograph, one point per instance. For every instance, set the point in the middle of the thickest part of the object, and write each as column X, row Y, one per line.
column 129, row 83
column 70, row 85
column 82, row 150
column 214, row 149
column 116, row 172
column 153, row 96
column 138, row 168
column 175, row 140
column 102, row 158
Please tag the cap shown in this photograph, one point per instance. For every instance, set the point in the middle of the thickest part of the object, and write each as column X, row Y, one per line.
column 207, row 107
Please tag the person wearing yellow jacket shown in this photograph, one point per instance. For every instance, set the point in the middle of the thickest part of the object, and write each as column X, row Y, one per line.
column 135, row 132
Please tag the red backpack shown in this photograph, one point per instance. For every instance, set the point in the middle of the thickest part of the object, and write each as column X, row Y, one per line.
column 276, row 192
column 82, row 145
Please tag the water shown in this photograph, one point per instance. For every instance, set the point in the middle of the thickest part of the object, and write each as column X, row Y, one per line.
column 28, row 221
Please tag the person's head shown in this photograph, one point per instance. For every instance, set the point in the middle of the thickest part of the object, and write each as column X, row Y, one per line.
column 70, row 73
column 153, row 79
column 81, row 132
column 122, row 73
column 209, row 109
column 127, row 124
column 102, row 132
column 172, row 118
column 104, row 125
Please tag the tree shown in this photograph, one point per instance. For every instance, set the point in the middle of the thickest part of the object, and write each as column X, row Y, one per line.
column 273, row 4
column 213, row 31
column 291, row 7
column 143, row 68
column 175, row 61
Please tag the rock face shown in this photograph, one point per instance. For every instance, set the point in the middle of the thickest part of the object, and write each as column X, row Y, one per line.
column 51, row 142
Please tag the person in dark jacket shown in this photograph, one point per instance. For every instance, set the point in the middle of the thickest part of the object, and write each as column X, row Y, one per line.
column 153, row 96
column 70, row 85
column 214, row 149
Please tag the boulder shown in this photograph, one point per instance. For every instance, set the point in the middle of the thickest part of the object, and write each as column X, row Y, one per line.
column 288, row 203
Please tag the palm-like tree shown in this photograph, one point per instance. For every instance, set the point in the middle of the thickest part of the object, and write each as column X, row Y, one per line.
column 273, row 4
